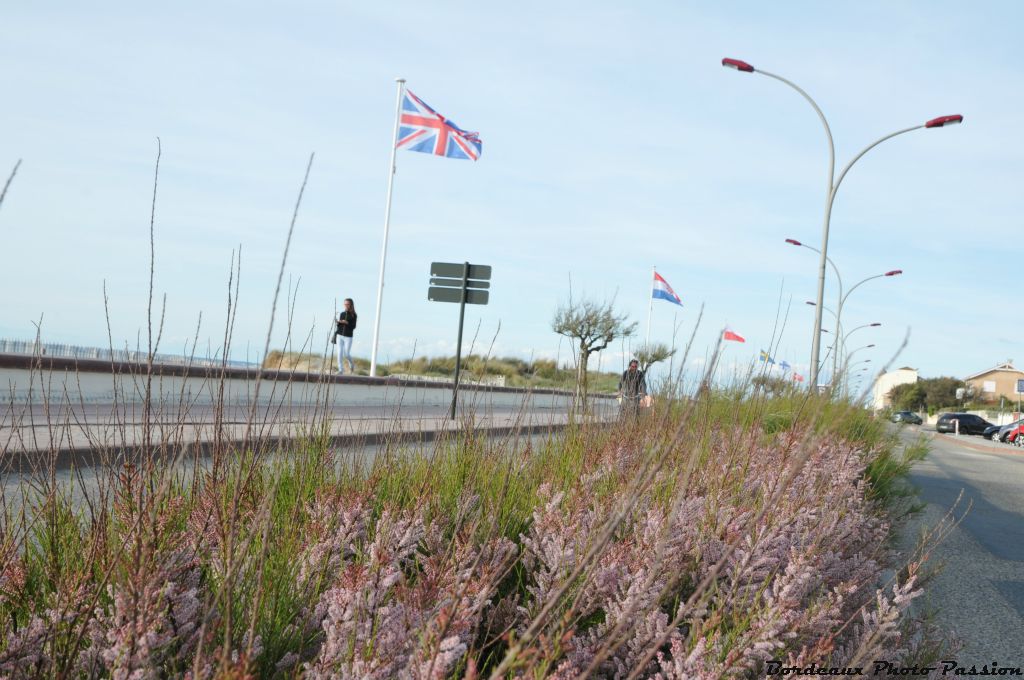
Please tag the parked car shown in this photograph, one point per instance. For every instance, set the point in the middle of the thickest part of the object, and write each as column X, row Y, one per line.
column 969, row 423
column 1013, row 435
column 906, row 417
column 1002, row 433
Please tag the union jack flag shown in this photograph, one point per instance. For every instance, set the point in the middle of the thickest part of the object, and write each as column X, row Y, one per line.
column 423, row 129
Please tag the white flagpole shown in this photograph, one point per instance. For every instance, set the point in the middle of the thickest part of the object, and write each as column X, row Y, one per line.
column 387, row 224
column 650, row 307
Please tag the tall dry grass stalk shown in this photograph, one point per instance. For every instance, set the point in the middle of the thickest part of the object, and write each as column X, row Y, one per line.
column 7, row 184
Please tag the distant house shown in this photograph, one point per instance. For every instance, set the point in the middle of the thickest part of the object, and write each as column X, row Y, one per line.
column 992, row 383
column 887, row 381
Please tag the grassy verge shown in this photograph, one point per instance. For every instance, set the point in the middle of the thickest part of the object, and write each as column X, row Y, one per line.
column 719, row 534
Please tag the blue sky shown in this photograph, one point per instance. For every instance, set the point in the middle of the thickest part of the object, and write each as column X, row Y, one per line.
column 613, row 141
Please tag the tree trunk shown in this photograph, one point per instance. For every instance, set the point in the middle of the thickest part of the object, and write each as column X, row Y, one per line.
column 581, row 380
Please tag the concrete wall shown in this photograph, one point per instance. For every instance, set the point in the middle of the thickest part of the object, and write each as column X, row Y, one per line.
column 27, row 380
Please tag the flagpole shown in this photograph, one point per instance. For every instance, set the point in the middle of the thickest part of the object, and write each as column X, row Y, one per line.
column 387, row 224
column 650, row 307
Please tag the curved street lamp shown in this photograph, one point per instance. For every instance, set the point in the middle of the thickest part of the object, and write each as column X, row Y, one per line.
column 794, row 242
column 844, row 369
column 842, row 302
column 852, row 352
column 842, row 297
column 847, row 366
column 812, row 303
column 833, row 186
column 875, row 324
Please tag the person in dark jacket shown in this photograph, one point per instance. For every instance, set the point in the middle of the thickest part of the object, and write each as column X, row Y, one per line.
column 632, row 388
column 344, row 326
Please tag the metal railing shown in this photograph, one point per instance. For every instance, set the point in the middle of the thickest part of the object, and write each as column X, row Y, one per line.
column 67, row 351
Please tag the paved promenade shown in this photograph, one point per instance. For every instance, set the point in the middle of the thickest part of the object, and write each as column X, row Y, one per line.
column 72, row 411
column 87, row 434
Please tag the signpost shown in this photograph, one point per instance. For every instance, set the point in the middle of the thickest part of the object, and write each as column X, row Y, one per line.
column 463, row 283
column 1020, row 390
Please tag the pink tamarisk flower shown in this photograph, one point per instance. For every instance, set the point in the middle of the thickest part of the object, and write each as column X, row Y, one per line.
column 151, row 628
column 365, row 631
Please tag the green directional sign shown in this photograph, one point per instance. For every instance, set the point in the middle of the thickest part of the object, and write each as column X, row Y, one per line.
column 464, row 284
column 473, row 297
column 481, row 272
column 457, row 283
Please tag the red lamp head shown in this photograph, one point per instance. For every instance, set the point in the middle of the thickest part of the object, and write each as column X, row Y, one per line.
column 943, row 121
column 739, row 65
column 793, row 241
column 894, row 272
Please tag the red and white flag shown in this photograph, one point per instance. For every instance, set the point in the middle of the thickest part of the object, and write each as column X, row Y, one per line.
column 735, row 337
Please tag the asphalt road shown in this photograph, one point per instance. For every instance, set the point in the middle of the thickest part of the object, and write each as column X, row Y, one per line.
column 979, row 591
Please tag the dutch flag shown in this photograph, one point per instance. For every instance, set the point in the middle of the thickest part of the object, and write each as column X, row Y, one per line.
column 663, row 291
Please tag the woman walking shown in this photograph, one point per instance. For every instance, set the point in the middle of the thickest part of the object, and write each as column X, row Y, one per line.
column 343, row 335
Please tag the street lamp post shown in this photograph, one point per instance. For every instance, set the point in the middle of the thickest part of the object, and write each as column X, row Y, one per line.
column 842, row 302
column 839, row 346
column 874, row 324
column 841, row 297
column 847, row 366
column 794, row 242
column 832, row 187
column 849, row 356
column 842, row 343
column 839, row 325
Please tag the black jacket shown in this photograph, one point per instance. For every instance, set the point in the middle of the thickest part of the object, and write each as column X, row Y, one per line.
column 633, row 383
column 346, row 328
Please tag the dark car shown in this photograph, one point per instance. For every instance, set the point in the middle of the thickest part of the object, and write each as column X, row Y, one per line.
column 969, row 423
column 906, row 417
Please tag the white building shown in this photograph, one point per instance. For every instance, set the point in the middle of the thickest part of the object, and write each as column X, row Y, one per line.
column 887, row 381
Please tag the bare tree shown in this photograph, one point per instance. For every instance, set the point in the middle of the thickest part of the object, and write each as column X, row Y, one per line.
column 648, row 355
column 593, row 326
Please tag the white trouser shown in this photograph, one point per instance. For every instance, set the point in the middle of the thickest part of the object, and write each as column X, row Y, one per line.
column 345, row 352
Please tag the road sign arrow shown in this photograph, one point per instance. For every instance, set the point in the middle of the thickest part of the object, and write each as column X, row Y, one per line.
column 481, row 272
column 473, row 297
